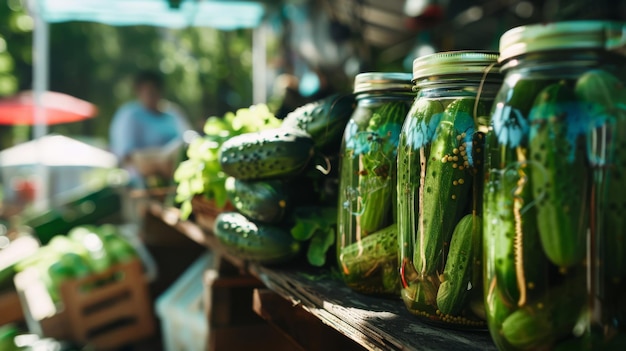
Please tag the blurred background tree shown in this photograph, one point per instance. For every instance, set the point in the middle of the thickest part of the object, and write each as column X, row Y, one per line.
column 207, row 71
column 15, row 60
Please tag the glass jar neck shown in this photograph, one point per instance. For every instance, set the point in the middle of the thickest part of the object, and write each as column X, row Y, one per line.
column 562, row 64
column 483, row 85
column 376, row 97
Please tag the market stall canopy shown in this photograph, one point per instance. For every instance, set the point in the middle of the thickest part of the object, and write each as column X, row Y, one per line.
column 71, row 165
column 224, row 15
column 58, row 150
column 57, row 108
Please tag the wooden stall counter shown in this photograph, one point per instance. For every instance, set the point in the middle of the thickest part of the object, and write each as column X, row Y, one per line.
column 333, row 316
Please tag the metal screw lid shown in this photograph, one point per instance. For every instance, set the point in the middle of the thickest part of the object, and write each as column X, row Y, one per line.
column 608, row 35
column 454, row 62
column 377, row 81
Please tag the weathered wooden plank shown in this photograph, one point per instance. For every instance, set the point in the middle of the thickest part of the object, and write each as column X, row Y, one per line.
column 306, row 330
column 375, row 323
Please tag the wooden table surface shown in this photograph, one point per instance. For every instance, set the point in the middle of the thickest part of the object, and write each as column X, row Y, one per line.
column 372, row 322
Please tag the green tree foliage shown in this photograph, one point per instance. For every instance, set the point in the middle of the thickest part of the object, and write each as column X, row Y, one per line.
column 15, row 57
column 15, row 47
column 208, row 72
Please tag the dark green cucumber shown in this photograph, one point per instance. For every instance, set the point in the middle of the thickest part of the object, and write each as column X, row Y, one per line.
column 559, row 173
column 373, row 257
column 511, row 239
column 270, row 153
column 324, row 120
column 510, row 116
column 379, row 245
column 378, row 166
column 417, row 132
column 523, row 94
column 445, row 184
column 497, row 309
column 263, row 243
column 605, row 95
column 453, row 291
column 260, row 200
column 549, row 319
column 514, row 261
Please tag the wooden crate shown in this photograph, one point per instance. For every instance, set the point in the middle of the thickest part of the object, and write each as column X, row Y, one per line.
column 42, row 316
column 233, row 324
column 105, row 310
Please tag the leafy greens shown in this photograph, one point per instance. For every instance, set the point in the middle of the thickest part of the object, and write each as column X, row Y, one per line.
column 201, row 173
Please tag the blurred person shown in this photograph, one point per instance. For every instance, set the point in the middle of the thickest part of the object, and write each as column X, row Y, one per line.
column 146, row 130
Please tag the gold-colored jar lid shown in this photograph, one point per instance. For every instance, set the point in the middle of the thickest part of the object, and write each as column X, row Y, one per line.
column 382, row 81
column 594, row 34
column 455, row 62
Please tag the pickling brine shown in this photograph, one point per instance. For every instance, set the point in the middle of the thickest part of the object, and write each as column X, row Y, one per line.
column 554, row 212
column 367, row 246
column 439, row 188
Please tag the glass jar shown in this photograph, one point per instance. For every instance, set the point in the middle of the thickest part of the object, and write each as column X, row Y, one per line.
column 439, row 201
column 367, row 245
column 555, row 163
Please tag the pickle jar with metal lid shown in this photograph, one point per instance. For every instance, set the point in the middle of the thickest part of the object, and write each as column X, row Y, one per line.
column 555, row 190
column 367, row 248
column 439, row 187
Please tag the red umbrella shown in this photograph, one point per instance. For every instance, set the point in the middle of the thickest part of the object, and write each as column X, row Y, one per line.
column 58, row 108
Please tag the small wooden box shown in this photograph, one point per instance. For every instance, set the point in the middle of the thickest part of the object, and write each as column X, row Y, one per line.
column 233, row 324
column 105, row 310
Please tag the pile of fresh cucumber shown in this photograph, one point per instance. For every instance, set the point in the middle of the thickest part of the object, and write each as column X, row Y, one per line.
column 554, row 226
column 278, row 182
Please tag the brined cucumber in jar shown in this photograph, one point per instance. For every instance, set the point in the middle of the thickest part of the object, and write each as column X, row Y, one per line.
column 510, row 115
column 516, row 267
column 604, row 96
column 547, row 319
column 417, row 133
column 457, row 275
column 511, row 239
column 379, row 165
column 497, row 309
column 560, row 173
column 372, row 261
column 375, row 147
column 445, row 184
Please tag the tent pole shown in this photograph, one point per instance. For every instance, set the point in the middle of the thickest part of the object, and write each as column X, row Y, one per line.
column 40, row 86
column 259, row 65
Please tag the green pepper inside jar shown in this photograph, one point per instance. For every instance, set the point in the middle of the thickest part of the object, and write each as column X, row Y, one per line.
column 555, row 169
column 439, row 197
column 367, row 249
